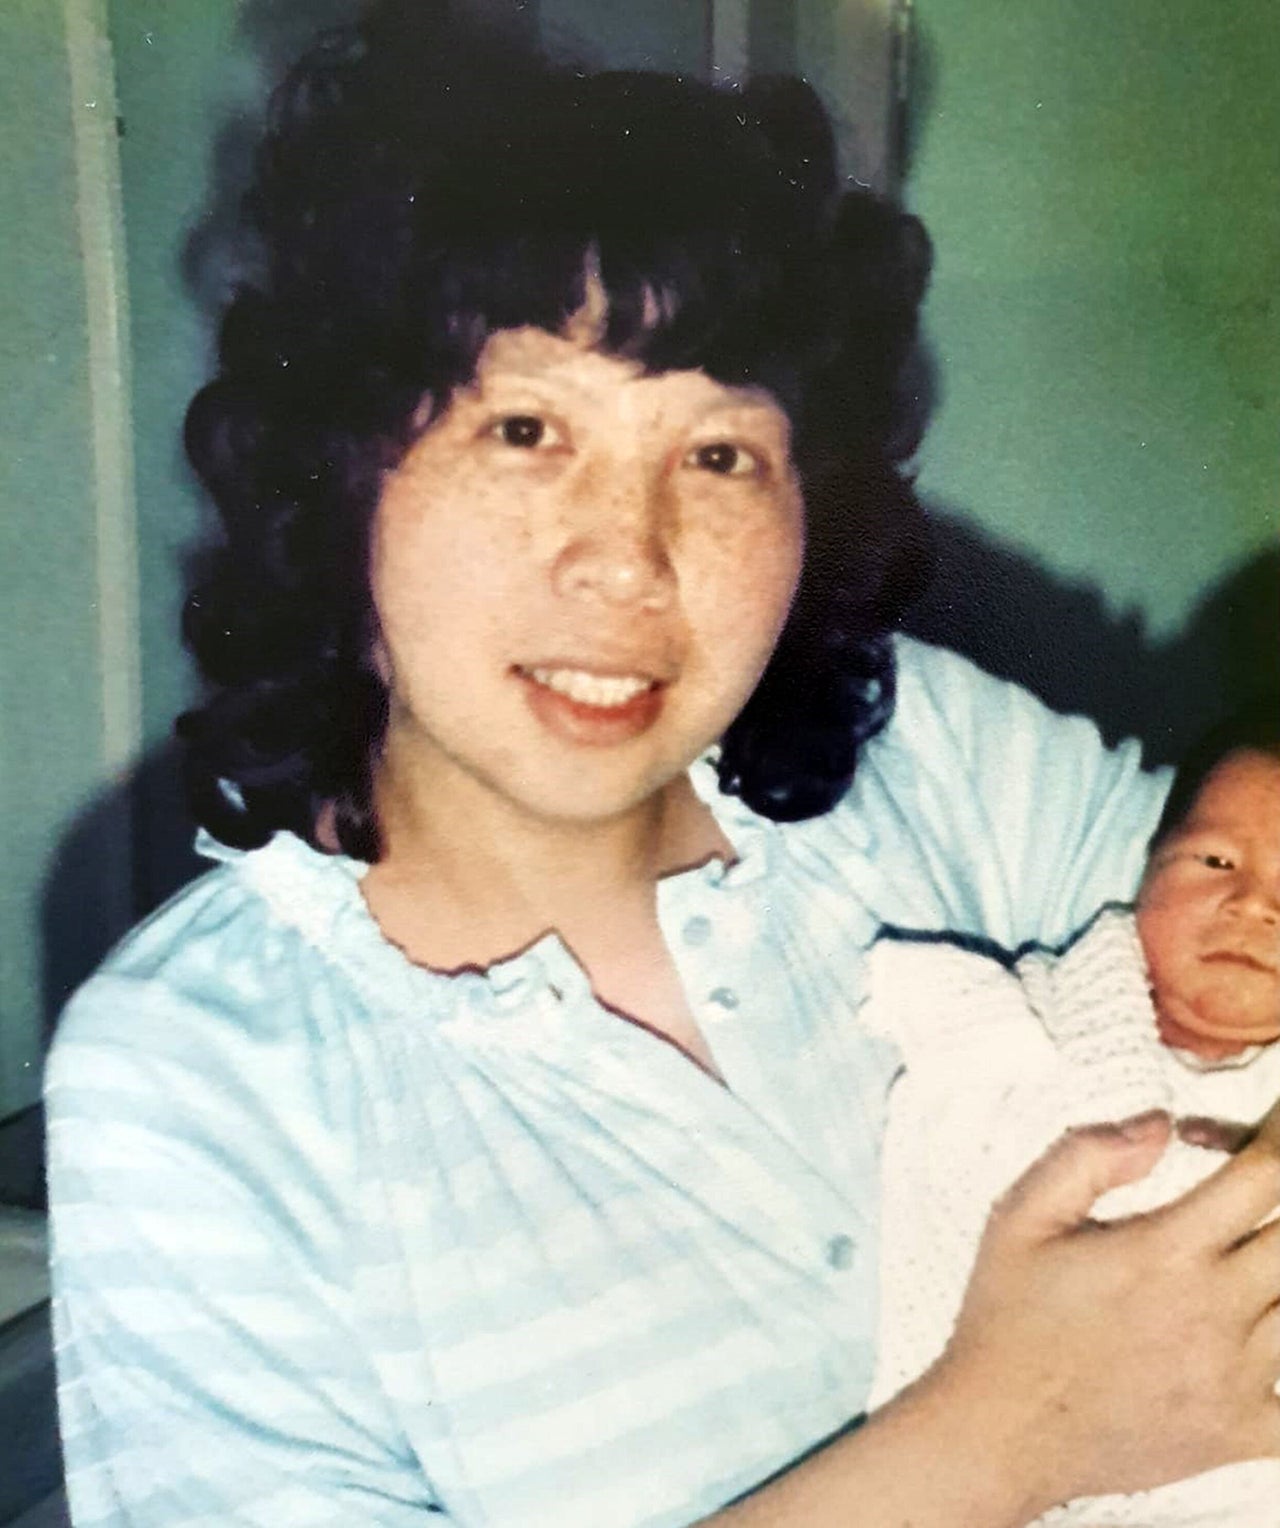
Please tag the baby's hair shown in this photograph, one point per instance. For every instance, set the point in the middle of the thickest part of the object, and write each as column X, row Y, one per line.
column 1254, row 728
column 420, row 187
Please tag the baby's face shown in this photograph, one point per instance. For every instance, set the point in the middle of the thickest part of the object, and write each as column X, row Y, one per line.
column 1209, row 913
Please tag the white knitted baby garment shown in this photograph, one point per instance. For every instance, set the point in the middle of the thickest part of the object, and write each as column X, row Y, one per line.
column 997, row 1063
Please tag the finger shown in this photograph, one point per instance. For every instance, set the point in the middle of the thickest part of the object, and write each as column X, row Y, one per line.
column 1268, row 1133
column 1056, row 1193
column 1240, row 1194
column 1265, row 1340
column 1255, row 1263
column 1215, row 1134
column 1260, row 1371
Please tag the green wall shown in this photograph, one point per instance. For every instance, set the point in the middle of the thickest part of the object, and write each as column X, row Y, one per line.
column 50, row 723
column 1102, row 178
column 175, row 73
column 185, row 75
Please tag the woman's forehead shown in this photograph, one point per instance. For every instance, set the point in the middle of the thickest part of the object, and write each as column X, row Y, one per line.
column 574, row 360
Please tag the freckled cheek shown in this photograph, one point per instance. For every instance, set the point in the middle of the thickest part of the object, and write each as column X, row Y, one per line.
column 764, row 552
column 735, row 601
column 769, row 567
column 427, row 561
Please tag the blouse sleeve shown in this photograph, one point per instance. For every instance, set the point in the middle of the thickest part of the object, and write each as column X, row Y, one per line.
column 208, row 1367
column 1011, row 822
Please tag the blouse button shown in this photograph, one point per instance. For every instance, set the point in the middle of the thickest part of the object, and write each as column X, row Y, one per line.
column 723, row 997
column 840, row 1252
column 697, row 930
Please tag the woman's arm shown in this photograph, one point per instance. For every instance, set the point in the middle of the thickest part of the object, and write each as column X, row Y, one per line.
column 1028, row 824
column 1068, row 1373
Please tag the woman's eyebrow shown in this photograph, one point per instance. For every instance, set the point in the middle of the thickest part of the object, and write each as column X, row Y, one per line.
column 534, row 382
column 739, row 401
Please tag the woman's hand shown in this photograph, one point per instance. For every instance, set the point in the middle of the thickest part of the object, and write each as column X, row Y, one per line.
column 1087, row 1359
column 1116, row 1357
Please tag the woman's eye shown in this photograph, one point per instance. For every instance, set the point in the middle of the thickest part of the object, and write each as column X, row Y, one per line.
column 525, row 432
column 723, row 459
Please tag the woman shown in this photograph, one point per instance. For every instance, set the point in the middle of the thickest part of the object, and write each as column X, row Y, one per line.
column 492, row 1135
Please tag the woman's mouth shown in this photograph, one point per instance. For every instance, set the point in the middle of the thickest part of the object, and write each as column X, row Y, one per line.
column 580, row 706
column 607, row 691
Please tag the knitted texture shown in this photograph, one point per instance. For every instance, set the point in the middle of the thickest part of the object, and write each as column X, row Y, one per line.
column 996, row 1064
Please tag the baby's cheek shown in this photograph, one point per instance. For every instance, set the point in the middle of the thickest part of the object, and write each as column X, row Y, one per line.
column 1167, row 937
column 1229, row 1001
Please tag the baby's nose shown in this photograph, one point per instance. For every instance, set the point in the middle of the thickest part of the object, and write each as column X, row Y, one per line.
column 1260, row 900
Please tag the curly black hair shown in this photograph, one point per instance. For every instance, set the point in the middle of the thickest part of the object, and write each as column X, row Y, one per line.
column 419, row 187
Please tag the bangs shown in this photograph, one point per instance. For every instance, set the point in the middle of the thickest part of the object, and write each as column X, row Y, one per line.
column 670, row 300
column 700, row 236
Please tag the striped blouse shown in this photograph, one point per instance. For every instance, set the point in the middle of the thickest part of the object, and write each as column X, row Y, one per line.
column 341, row 1241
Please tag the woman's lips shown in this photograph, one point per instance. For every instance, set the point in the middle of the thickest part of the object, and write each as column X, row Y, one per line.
column 592, row 708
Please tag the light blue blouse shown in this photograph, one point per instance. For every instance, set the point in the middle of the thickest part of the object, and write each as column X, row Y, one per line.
column 339, row 1241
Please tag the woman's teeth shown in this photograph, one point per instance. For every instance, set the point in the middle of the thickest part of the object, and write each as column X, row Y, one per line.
column 590, row 689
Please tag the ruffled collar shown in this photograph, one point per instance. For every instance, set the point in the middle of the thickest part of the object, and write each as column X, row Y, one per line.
column 319, row 893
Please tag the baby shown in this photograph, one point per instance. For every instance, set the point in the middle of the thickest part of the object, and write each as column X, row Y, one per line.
column 1173, row 1005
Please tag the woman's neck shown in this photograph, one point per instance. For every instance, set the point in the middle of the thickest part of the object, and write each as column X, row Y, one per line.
column 471, row 880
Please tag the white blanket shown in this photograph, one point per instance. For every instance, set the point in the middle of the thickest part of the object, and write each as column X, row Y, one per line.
column 997, row 1063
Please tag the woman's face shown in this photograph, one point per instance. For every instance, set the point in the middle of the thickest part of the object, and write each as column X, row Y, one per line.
column 1209, row 912
column 579, row 572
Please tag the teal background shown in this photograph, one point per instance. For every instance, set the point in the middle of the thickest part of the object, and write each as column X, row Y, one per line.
column 1104, row 315
column 49, row 715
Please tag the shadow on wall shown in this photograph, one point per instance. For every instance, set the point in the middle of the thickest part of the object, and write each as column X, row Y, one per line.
column 76, row 934
column 217, row 256
column 1014, row 618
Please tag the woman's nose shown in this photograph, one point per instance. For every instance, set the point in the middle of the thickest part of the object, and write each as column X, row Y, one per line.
column 617, row 559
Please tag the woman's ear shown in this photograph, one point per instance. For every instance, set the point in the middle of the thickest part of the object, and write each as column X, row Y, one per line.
column 379, row 662
column 422, row 415
column 395, row 445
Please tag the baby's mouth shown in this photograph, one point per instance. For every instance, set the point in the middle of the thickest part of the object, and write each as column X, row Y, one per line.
column 1241, row 958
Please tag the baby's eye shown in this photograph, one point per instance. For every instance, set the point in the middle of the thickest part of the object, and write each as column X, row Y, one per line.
column 525, row 432
column 722, row 458
column 1213, row 861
